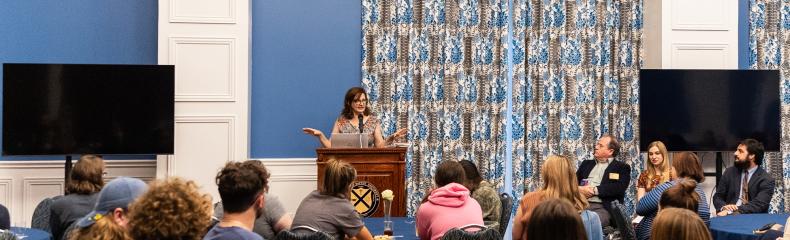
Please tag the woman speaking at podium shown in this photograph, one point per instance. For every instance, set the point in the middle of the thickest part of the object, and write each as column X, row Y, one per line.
column 356, row 118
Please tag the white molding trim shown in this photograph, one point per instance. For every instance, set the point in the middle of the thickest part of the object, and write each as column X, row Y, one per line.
column 8, row 183
column 720, row 25
column 229, row 96
column 293, row 163
column 230, row 17
column 286, row 161
column 136, row 163
column 27, row 190
column 230, row 120
column 722, row 47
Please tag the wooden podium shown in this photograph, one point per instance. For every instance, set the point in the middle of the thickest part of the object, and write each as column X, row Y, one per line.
column 385, row 168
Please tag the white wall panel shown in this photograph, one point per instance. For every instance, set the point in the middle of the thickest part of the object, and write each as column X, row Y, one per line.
column 36, row 189
column 291, row 180
column 205, row 69
column 700, row 56
column 6, row 193
column 701, row 15
column 203, row 11
column 216, row 135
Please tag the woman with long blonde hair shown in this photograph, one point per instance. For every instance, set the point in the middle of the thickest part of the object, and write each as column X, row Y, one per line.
column 559, row 181
column 657, row 169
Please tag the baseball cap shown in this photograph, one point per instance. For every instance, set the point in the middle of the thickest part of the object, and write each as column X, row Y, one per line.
column 118, row 193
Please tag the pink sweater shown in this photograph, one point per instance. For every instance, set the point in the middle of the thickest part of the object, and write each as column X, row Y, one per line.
column 447, row 207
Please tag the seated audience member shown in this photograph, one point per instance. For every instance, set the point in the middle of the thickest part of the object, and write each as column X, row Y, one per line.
column 273, row 220
column 170, row 209
column 678, row 223
column 109, row 217
column 484, row 193
column 685, row 167
column 449, row 205
column 329, row 209
column 604, row 179
column 559, row 181
column 241, row 186
column 5, row 218
column 85, row 182
column 656, row 169
column 745, row 187
column 556, row 219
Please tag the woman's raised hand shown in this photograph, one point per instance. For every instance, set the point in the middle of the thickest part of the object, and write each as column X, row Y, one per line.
column 313, row 131
column 400, row 133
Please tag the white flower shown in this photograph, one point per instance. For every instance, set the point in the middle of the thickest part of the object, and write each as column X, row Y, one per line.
column 387, row 195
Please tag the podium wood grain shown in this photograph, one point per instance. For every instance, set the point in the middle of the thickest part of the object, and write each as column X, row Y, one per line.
column 385, row 168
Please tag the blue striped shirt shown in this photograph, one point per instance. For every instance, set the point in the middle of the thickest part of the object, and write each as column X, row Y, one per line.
column 648, row 207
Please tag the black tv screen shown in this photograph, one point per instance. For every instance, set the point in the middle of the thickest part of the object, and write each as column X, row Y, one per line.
column 61, row 109
column 708, row 110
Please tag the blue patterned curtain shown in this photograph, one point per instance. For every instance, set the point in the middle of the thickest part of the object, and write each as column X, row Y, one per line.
column 438, row 67
column 769, row 40
column 576, row 74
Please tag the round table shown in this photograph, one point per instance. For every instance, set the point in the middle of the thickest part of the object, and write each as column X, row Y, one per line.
column 741, row 226
column 31, row 233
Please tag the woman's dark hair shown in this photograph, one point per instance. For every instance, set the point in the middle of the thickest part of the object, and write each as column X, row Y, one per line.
column 687, row 165
column 473, row 178
column 682, row 195
column 449, row 171
column 556, row 218
column 352, row 93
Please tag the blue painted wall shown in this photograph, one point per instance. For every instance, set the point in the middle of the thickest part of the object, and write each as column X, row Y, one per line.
column 304, row 58
column 78, row 31
column 743, row 34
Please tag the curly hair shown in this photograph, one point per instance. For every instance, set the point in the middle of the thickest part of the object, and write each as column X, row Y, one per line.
column 171, row 209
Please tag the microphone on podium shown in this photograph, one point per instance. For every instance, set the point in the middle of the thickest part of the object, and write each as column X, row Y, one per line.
column 360, row 123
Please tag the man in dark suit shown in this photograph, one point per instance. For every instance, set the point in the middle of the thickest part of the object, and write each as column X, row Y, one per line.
column 604, row 179
column 732, row 196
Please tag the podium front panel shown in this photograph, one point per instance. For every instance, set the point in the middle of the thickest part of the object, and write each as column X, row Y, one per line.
column 385, row 168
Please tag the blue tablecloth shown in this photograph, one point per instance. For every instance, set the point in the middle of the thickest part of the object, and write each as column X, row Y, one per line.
column 740, row 227
column 30, row 233
column 401, row 227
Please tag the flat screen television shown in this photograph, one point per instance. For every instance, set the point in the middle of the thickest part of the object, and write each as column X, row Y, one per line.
column 708, row 110
column 62, row 109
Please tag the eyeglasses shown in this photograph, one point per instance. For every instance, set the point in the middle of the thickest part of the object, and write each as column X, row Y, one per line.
column 361, row 101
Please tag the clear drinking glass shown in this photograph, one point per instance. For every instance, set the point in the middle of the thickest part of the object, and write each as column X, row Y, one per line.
column 387, row 218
